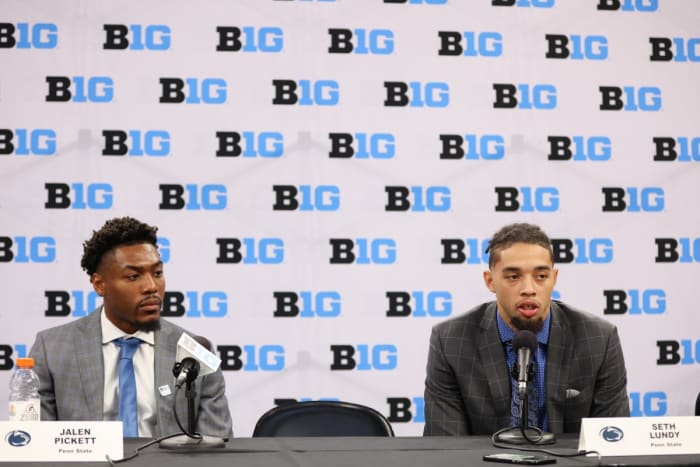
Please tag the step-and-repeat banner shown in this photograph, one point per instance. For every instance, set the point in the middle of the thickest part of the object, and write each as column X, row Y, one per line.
column 326, row 174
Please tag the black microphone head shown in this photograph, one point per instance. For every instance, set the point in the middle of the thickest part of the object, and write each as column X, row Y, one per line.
column 525, row 338
column 203, row 341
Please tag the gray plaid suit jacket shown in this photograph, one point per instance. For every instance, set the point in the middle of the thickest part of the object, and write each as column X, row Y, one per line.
column 467, row 388
column 68, row 360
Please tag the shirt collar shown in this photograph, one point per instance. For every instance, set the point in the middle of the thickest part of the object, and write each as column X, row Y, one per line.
column 110, row 332
column 506, row 333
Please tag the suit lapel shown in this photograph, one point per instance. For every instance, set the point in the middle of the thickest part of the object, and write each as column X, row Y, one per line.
column 559, row 354
column 88, row 346
column 165, row 345
column 493, row 361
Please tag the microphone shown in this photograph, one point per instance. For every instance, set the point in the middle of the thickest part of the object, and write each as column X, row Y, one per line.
column 525, row 345
column 193, row 358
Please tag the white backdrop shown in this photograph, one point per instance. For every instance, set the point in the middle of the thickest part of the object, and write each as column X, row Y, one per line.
column 616, row 79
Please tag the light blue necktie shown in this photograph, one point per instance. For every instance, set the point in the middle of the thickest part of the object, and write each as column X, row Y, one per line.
column 128, row 413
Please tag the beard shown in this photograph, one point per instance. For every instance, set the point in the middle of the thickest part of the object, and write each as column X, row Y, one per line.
column 534, row 325
column 148, row 327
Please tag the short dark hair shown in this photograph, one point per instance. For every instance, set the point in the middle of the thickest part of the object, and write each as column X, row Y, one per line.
column 115, row 232
column 517, row 233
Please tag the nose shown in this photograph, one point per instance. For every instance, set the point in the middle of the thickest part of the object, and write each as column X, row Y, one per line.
column 149, row 284
column 528, row 286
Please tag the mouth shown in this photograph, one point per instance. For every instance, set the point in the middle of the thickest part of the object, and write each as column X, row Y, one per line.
column 150, row 305
column 528, row 309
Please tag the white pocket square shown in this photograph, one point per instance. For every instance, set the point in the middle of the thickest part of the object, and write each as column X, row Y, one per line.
column 571, row 393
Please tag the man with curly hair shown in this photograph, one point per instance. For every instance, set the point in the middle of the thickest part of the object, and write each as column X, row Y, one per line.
column 578, row 362
column 78, row 362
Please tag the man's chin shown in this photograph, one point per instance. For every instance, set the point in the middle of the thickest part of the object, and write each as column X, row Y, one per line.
column 149, row 326
column 533, row 325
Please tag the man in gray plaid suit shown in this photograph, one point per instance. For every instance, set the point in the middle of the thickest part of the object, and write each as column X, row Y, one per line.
column 77, row 362
column 580, row 367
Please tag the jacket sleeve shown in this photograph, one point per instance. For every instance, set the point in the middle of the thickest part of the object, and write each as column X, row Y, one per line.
column 444, row 409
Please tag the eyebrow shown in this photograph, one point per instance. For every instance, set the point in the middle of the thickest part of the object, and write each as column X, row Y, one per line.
column 517, row 269
column 142, row 268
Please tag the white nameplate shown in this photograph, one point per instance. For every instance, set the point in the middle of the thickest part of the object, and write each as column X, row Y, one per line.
column 60, row 441
column 640, row 436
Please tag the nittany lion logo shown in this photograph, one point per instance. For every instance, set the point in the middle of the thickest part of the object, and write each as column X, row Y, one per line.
column 18, row 438
column 612, row 434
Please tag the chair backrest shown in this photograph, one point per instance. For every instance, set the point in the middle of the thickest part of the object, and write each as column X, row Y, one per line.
column 322, row 418
column 697, row 405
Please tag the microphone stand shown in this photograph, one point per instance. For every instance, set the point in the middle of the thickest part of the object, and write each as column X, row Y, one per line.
column 190, row 439
column 524, row 434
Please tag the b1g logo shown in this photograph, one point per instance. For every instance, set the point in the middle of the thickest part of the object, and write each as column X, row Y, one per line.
column 193, row 197
column 26, row 142
column 579, row 148
column 635, row 302
column 524, row 96
column 681, row 149
column 364, row 357
column 406, row 409
column 629, row 5
column 136, row 37
column 418, row 198
column 306, row 198
column 154, row 143
column 468, row 250
column 79, row 196
column 267, row 144
column 583, row 251
column 251, row 357
column 74, row 303
column 306, row 92
column 363, row 251
column 527, row 199
column 681, row 352
column 361, row 41
column 648, row 404
column 27, row 249
column 195, row 304
column 192, row 91
column 250, row 251
column 470, row 44
column 80, row 89
column 489, row 147
column 630, row 98
column 633, row 199
column 419, row 304
column 681, row 250
column 362, row 145
column 6, row 353
column 524, row 3
column 28, row 36
column 307, row 304
column 417, row 94
column 249, row 39
column 576, row 47
column 678, row 49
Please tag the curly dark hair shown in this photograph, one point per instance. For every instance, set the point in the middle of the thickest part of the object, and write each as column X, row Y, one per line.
column 115, row 232
column 517, row 233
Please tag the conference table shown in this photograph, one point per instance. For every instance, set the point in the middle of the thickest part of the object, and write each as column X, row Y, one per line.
column 356, row 452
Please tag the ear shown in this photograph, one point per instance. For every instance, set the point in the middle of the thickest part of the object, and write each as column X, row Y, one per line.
column 98, row 283
column 488, row 280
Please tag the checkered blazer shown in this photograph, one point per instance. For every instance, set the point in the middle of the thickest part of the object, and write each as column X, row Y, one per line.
column 467, row 387
column 68, row 360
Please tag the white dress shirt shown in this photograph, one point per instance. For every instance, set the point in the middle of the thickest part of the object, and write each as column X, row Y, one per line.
column 144, row 364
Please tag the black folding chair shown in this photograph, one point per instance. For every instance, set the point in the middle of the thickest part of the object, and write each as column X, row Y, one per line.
column 322, row 418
